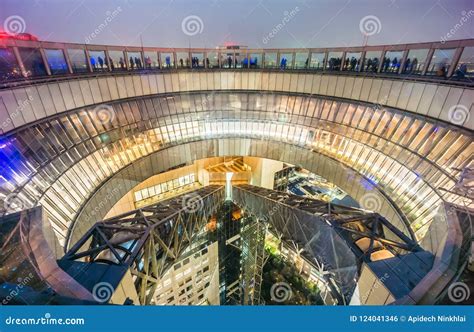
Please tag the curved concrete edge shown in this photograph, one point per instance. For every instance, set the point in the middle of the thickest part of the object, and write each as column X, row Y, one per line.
column 446, row 243
column 24, row 105
column 34, row 248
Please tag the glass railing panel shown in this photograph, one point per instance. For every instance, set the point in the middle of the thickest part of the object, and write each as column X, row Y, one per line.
column 56, row 61
column 116, row 61
column 240, row 60
column 286, row 61
column 317, row 61
column 183, row 60
column 9, row 68
column 465, row 66
column 32, row 61
column 301, row 60
column 391, row 62
column 352, row 61
column 151, row 60
column 77, row 58
column 372, row 61
column 416, row 61
column 270, row 60
column 197, row 60
column 334, row 61
column 213, row 59
column 97, row 60
column 440, row 62
column 134, row 60
column 255, row 60
column 167, row 60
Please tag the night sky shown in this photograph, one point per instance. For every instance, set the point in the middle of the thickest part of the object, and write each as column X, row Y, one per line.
column 310, row 23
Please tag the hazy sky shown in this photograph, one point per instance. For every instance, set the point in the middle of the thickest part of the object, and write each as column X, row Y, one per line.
column 310, row 23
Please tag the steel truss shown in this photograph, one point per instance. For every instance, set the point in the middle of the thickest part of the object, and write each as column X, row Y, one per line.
column 149, row 240
column 327, row 233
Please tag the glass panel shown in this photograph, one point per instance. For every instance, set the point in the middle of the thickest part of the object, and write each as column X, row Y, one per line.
column 371, row 61
column 56, row 61
column 9, row 68
column 134, row 60
column 416, row 61
column 197, row 60
column 440, row 62
column 32, row 61
column 167, row 60
column 352, row 61
column 97, row 60
column 213, row 58
column 255, row 60
column 77, row 58
column 151, row 60
column 270, row 60
column 466, row 63
column 391, row 61
column 317, row 61
column 286, row 60
column 301, row 61
column 334, row 61
column 238, row 59
column 116, row 60
column 183, row 59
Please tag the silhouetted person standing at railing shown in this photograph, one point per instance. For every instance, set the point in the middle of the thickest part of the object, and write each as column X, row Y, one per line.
column 395, row 64
column 386, row 64
column 111, row 62
column 461, row 71
column 375, row 65
column 229, row 61
column 101, row 62
column 131, row 63
column 369, row 65
column 181, row 64
column 122, row 63
column 168, row 61
column 406, row 66
column 414, row 65
column 207, row 62
column 353, row 63
column 306, row 63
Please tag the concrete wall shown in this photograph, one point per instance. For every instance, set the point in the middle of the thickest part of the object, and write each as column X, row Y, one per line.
column 23, row 105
